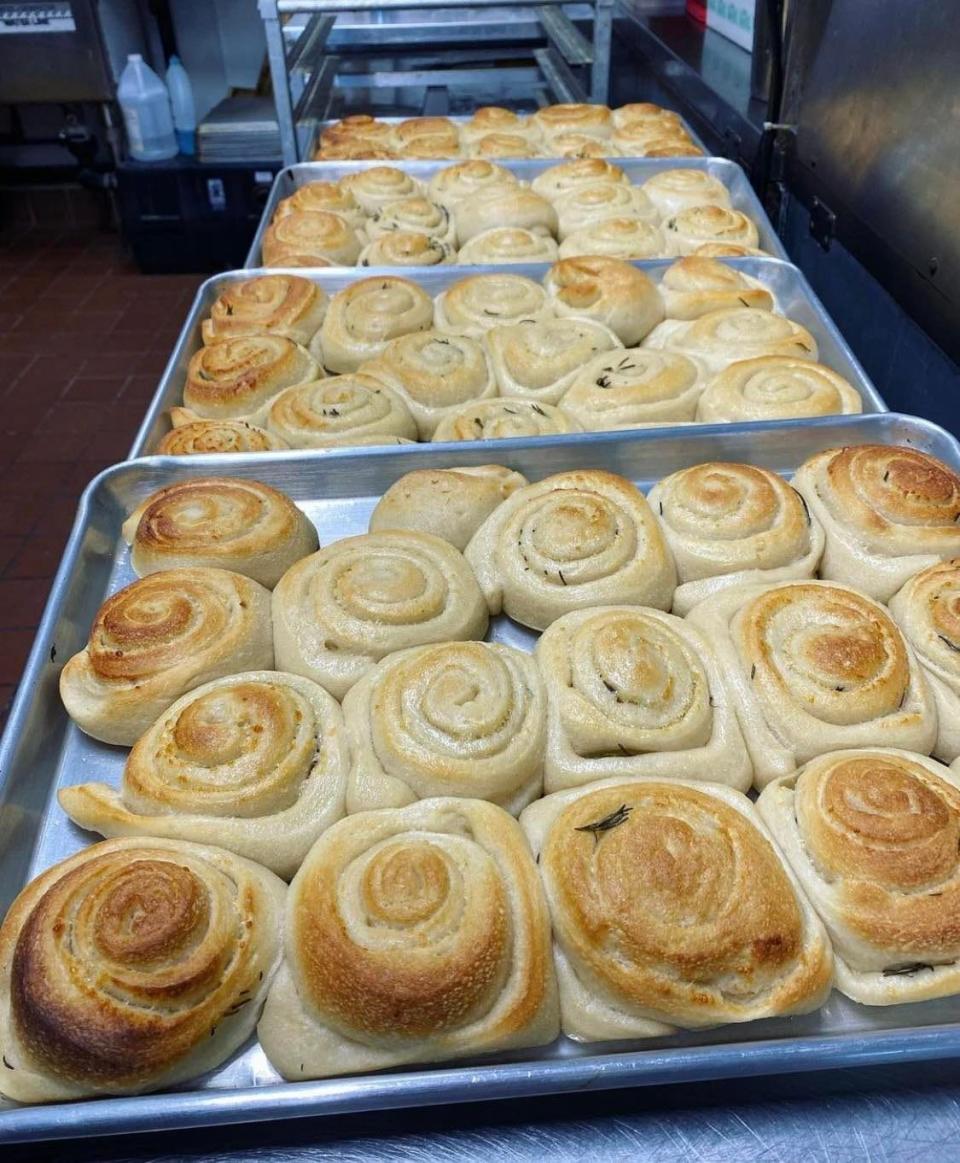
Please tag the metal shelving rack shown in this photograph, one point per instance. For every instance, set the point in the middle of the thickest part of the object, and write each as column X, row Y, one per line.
column 304, row 72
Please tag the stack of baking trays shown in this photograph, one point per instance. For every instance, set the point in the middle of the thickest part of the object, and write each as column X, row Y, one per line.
column 579, row 641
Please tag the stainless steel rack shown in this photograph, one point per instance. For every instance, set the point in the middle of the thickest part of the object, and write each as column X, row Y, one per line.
column 305, row 73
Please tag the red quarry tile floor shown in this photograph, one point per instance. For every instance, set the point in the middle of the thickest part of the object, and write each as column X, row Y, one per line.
column 83, row 339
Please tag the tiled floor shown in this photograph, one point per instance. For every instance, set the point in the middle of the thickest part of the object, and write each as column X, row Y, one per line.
column 83, row 339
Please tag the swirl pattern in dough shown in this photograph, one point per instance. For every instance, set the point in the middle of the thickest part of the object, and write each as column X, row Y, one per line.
column 626, row 238
column 633, row 691
column 475, row 304
column 872, row 837
column 516, row 206
column 690, row 228
column 418, row 214
column 776, row 387
column 721, row 338
column 504, row 145
column 316, row 233
column 671, row 907
column 226, row 522
column 580, row 146
column 816, row 667
column 256, row 762
column 132, row 966
column 267, row 305
column 413, row 934
column 406, row 248
column 538, row 361
column 364, row 316
column 504, row 418
column 576, row 539
column 888, row 512
column 559, row 181
column 695, row 286
column 608, row 291
column 674, row 190
column 494, row 119
column 196, row 437
column 330, row 197
column 624, row 389
column 734, row 524
column 343, row 411
column 236, row 378
column 586, row 206
column 594, row 120
column 338, row 612
column 453, row 184
column 377, row 186
column 506, row 244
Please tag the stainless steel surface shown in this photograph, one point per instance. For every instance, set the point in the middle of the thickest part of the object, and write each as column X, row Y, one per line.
column 558, row 77
column 521, row 77
column 42, row 751
column 573, row 45
column 602, row 36
column 280, row 80
column 788, row 285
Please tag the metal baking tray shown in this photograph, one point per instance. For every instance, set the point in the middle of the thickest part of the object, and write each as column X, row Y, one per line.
column 794, row 297
column 42, row 751
column 638, row 170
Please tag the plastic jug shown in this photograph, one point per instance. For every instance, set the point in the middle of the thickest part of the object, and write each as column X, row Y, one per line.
column 145, row 105
column 184, row 109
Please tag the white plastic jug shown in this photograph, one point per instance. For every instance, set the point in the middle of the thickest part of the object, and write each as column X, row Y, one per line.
column 184, row 109
column 145, row 105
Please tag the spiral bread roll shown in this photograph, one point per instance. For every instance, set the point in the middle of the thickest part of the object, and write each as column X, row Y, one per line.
column 316, row 233
column 418, row 214
column 927, row 610
column 158, row 638
column 132, row 966
column 887, row 511
column 505, row 145
column 515, row 206
column 358, row 128
column 434, row 374
column 237, row 378
column 576, row 539
column 413, row 934
column 580, row 145
column 559, row 181
column 475, row 304
column 506, row 244
column 256, row 761
column 364, row 316
column 494, row 119
column 451, row 503
column 427, row 136
column 453, row 184
column 721, row 338
column 284, row 305
column 691, row 227
column 357, row 149
column 625, row 238
column 671, row 907
column 644, row 111
column 649, row 138
column 594, row 120
column 625, row 389
column 196, row 437
column 732, row 525
column 815, row 667
column 342, row 411
column 775, row 387
column 226, row 522
column 538, row 361
column 330, row 197
column 633, row 691
column 338, row 612
column 608, row 291
column 674, row 190
column 454, row 719
column 588, row 205
column 378, row 186
column 872, row 836
column 503, row 418
column 405, row 248
column 695, row 286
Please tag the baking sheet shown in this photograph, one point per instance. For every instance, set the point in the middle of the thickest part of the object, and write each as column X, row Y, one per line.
column 794, row 295
column 42, row 751
column 638, row 170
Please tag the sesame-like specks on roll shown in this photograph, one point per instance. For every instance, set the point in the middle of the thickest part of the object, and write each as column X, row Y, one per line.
column 412, row 934
column 516, row 206
column 507, row 244
column 695, row 286
column 734, row 524
column 379, row 185
column 671, row 907
column 454, row 183
column 268, row 305
column 816, row 667
column 607, row 290
column 538, row 361
column 888, row 512
column 416, row 213
column 561, row 180
column 455, row 719
column 674, row 190
column 133, row 966
column 504, row 418
column 587, row 205
column 475, row 304
column 576, row 539
column 622, row 389
column 721, row 338
column 311, row 232
column 235, row 378
column 626, row 238
column 633, row 691
column 695, row 225
column 256, row 762
column 339, row 412
column 338, row 612
column 776, row 387
column 594, row 120
column 406, row 248
column 226, row 522
column 873, row 835
column 158, row 638
column 364, row 316
column 331, row 197
column 201, row 437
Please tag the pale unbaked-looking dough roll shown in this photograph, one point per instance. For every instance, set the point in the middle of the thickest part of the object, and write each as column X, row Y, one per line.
column 503, row 418
column 341, row 411
column 721, row 338
column 623, row 389
column 674, row 190
column 507, row 244
column 633, row 691
column 257, row 762
column 695, row 225
column 734, row 524
column 377, row 186
column 418, row 214
column 158, row 638
column 607, row 290
column 671, row 908
column 473, row 305
column 589, row 205
column 576, row 539
column 815, row 667
column 538, row 361
column 872, row 836
column 515, row 206
column 364, row 316
column 318, row 234
column 888, row 512
column 226, row 522
column 285, row 305
column 580, row 146
column 451, row 185
column 236, row 378
column 776, row 387
column 338, row 612
column 695, row 286
column 406, row 248
column 558, row 181
column 455, row 719
column 413, row 934
column 625, row 238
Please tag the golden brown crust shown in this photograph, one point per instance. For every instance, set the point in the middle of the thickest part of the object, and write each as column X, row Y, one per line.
column 235, row 378
column 199, row 437
column 268, row 305
column 317, row 233
column 607, row 290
